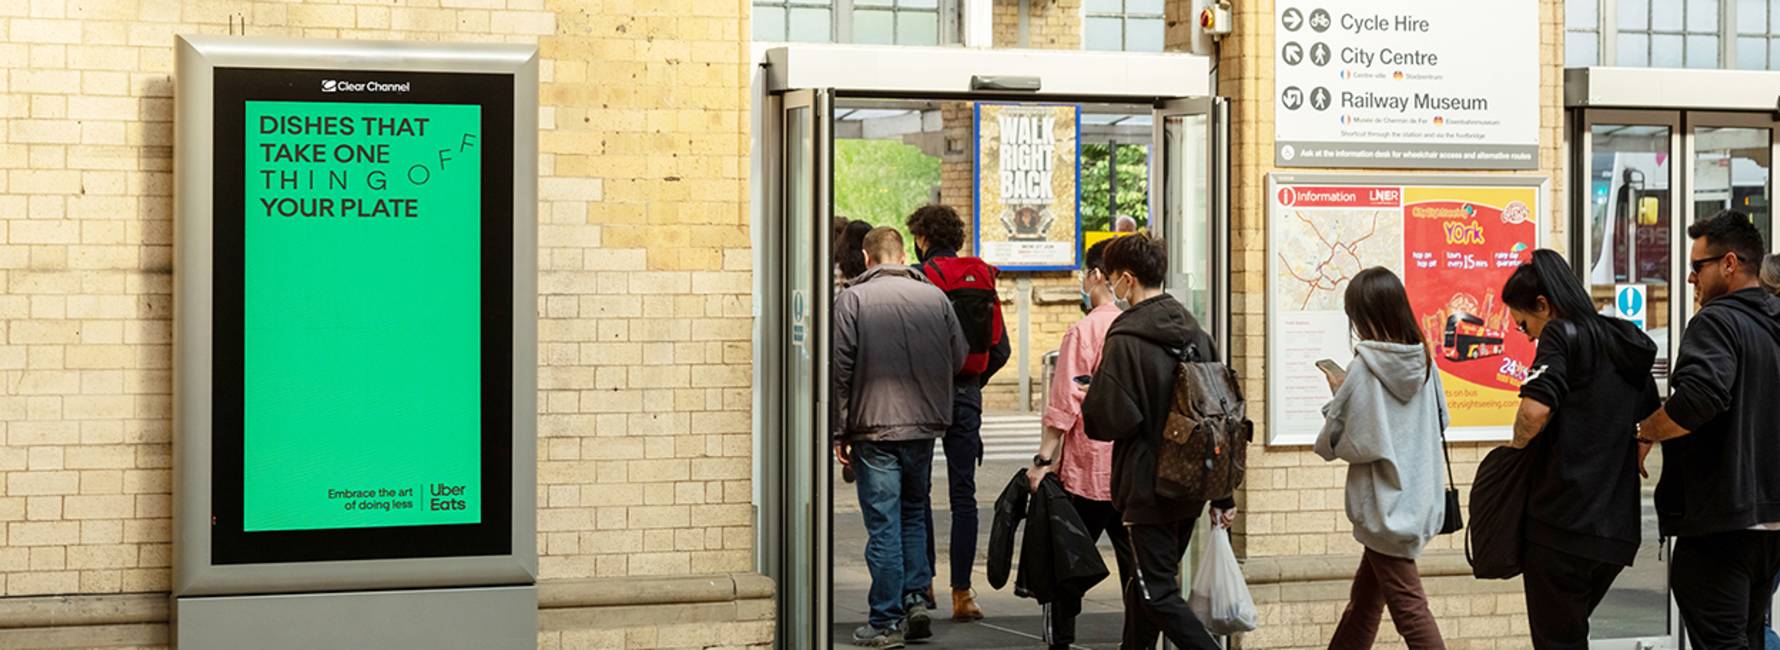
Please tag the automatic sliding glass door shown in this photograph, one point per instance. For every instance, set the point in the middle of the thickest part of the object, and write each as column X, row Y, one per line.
column 803, row 555
column 1624, row 232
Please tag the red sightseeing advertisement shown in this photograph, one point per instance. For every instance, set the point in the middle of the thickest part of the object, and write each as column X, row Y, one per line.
column 1460, row 245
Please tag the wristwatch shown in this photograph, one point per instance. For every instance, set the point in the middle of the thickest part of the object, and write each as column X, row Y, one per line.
column 1039, row 460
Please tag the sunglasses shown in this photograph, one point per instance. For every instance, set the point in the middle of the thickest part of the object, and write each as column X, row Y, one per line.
column 1698, row 264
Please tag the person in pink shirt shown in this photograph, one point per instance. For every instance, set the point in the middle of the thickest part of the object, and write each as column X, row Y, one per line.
column 1084, row 465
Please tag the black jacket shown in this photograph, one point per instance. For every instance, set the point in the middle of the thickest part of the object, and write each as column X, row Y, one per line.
column 1128, row 399
column 1595, row 375
column 1002, row 350
column 1725, row 390
column 1057, row 555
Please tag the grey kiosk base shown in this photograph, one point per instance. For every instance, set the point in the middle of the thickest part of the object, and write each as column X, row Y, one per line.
column 492, row 617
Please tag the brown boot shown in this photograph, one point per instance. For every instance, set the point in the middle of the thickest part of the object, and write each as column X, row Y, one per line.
column 964, row 606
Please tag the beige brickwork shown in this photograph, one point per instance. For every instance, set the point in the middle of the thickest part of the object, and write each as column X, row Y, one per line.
column 1050, row 24
column 644, row 312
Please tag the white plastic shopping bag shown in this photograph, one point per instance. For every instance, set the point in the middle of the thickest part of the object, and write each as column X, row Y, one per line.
column 1220, row 594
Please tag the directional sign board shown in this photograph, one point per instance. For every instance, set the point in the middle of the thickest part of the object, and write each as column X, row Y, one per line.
column 1447, row 84
column 1631, row 302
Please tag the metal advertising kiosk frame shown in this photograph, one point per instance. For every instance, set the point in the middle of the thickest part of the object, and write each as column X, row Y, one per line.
column 398, row 585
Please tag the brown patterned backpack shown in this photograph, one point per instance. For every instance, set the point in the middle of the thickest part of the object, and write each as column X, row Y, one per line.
column 1204, row 450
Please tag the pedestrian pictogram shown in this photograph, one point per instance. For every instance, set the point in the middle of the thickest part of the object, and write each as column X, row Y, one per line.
column 1319, row 54
column 1319, row 98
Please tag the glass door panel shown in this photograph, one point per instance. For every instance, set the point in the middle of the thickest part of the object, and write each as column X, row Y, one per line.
column 1730, row 172
column 1630, row 208
column 804, row 551
column 1626, row 220
column 1192, row 206
column 1730, row 160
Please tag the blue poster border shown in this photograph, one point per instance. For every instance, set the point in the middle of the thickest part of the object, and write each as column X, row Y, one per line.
column 976, row 185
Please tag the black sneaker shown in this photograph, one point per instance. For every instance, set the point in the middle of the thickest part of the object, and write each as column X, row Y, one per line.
column 917, row 625
column 866, row 636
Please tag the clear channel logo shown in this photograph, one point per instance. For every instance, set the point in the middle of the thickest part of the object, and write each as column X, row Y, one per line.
column 344, row 86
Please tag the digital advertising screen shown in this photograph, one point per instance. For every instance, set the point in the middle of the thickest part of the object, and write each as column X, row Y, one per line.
column 363, row 313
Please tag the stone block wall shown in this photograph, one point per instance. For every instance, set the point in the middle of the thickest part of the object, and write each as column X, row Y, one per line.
column 644, row 312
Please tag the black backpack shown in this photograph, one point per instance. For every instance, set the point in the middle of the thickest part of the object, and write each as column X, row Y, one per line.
column 1498, row 514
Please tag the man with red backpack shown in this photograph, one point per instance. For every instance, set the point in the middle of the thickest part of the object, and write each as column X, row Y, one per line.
column 970, row 284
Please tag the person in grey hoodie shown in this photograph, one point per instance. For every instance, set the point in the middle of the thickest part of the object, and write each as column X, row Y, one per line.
column 897, row 345
column 1386, row 420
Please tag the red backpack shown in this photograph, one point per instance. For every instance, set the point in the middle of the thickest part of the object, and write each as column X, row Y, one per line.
column 969, row 283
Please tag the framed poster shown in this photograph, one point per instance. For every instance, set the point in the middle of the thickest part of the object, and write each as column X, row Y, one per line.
column 1028, row 186
column 1453, row 240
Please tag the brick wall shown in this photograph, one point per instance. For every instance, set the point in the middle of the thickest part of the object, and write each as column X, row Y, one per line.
column 645, row 299
column 1050, row 24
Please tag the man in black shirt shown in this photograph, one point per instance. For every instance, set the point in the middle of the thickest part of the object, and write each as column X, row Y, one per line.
column 1127, row 404
column 1720, row 490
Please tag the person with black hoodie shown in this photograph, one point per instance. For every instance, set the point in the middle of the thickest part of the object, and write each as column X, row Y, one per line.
column 1720, row 490
column 1127, row 404
column 1589, row 385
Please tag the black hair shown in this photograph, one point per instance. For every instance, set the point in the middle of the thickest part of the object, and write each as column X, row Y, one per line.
column 1548, row 275
column 1095, row 260
column 1731, row 233
column 1378, row 307
column 1142, row 255
column 939, row 225
column 849, row 249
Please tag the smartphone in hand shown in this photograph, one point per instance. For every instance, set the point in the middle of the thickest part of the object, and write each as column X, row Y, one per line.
column 1333, row 372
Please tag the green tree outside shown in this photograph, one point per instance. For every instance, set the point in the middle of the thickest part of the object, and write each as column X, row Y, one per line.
column 881, row 181
column 1134, row 185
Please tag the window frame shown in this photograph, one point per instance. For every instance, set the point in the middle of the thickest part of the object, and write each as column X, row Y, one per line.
column 1607, row 32
column 841, row 14
column 1124, row 16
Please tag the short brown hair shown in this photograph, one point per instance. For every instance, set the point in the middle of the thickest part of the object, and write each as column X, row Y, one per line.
column 883, row 243
column 1143, row 255
column 939, row 225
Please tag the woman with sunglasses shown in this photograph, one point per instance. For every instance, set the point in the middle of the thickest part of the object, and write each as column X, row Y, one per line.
column 1589, row 385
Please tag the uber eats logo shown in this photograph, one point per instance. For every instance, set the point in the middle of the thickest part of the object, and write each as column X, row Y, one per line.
column 344, row 86
column 441, row 496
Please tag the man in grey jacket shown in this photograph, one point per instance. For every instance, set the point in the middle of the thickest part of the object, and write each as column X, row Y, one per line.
column 897, row 345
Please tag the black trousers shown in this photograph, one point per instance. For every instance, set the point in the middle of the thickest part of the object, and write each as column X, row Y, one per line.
column 1562, row 591
column 1722, row 585
column 1099, row 517
column 1153, row 600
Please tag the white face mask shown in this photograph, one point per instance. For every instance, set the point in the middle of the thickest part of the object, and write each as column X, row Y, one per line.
column 1123, row 303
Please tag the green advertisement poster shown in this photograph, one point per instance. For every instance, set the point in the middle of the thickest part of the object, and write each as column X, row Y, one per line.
column 361, row 315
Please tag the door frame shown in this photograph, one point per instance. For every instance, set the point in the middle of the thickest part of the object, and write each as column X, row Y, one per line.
column 817, row 75
column 778, row 466
column 1682, row 124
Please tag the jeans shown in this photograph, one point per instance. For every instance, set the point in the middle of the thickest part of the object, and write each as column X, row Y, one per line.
column 964, row 452
column 893, row 480
column 1562, row 591
column 1153, row 602
column 1385, row 581
column 1723, row 583
column 1099, row 517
